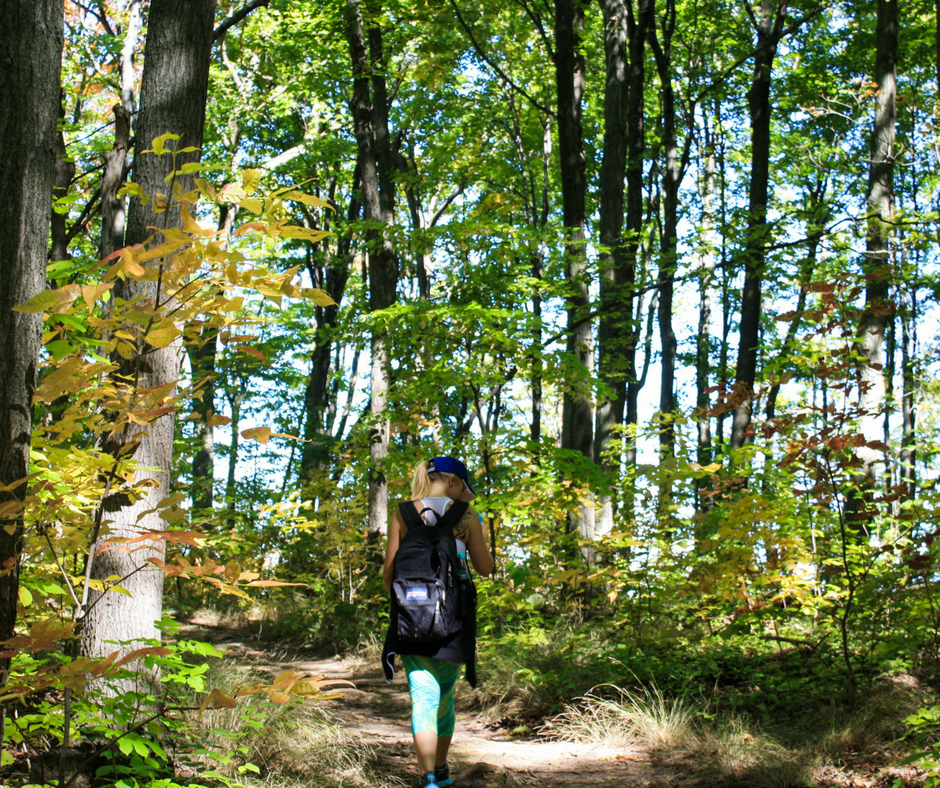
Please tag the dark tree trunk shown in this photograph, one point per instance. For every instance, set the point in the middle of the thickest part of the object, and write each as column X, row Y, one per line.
column 807, row 271
column 769, row 30
column 172, row 99
column 332, row 277
column 669, row 241
column 31, row 54
column 637, row 27
column 202, row 361
column 64, row 173
column 876, row 266
column 908, row 455
column 614, row 325
column 113, row 209
column 377, row 201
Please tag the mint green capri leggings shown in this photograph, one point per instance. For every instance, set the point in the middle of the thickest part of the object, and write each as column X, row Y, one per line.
column 432, row 682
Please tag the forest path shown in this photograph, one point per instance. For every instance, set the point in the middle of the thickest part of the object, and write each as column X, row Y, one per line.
column 483, row 755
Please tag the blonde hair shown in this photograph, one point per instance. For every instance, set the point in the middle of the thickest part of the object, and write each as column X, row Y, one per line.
column 421, row 480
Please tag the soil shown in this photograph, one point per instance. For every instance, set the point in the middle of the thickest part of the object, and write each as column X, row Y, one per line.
column 488, row 753
column 484, row 753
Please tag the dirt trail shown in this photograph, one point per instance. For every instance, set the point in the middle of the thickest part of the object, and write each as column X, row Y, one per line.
column 482, row 755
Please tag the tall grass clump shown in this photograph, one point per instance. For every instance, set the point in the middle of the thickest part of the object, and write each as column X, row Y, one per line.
column 646, row 717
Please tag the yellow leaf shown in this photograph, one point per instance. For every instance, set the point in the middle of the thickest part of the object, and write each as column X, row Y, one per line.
column 252, row 204
column 163, row 336
column 207, row 189
column 26, row 596
column 217, row 699
column 307, row 199
column 260, row 434
column 295, row 231
column 92, row 293
column 251, row 179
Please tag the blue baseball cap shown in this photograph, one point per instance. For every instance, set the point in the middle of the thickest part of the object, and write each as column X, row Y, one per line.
column 450, row 465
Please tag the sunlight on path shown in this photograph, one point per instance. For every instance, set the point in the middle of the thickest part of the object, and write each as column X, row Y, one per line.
column 482, row 757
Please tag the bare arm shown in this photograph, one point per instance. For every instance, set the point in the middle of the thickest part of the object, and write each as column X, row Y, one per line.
column 470, row 531
column 395, row 534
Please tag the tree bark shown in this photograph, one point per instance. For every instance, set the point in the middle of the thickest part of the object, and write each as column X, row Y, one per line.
column 637, row 26
column 31, row 54
column 614, row 322
column 577, row 411
column 172, row 99
column 64, row 173
column 332, row 276
column 769, row 30
column 669, row 242
column 371, row 128
column 708, row 253
column 876, row 266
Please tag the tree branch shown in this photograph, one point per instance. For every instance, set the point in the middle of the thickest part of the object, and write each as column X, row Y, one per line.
column 499, row 72
column 237, row 17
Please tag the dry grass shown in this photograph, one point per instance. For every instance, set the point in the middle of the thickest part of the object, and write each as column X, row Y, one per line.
column 293, row 744
column 646, row 718
column 733, row 752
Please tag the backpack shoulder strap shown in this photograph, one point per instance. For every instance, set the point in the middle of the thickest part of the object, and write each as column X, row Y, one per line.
column 409, row 513
column 453, row 515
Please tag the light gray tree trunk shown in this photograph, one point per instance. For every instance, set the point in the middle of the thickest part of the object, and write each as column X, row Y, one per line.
column 30, row 56
column 172, row 99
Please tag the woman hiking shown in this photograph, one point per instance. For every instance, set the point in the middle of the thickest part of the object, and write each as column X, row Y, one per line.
column 432, row 662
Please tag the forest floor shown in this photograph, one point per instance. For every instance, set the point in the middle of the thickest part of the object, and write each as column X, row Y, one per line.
column 489, row 752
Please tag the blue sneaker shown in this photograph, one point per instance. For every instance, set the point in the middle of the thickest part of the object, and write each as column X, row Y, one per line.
column 428, row 781
column 442, row 775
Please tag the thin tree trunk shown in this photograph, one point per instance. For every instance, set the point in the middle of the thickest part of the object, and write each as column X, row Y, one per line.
column 703, row 453
column 613, row 324
column 769, row 30
column 64, row 173
column 908, row 455
column 577, row 411
column 31, row 49
column 876, row 265
column 202, row 361
column 637, row 27
column 377, row 200
column 318, row 396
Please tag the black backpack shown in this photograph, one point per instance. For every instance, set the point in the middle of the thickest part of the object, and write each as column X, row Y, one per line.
column 425, row 587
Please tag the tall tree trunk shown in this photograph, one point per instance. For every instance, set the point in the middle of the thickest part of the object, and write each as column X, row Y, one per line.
column 614, row 323
column 577, row 411
column 637, row 28
column 769, row 29
column 876, row 266
column 64, row 173
column 377, row 201
column 708, row 253
column 173, row 99
column 332, row 277
column 31, row 53
column 202, row 362
column 908, row 455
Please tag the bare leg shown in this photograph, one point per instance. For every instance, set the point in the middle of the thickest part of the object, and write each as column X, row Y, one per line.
column 443, row 745
column 427, row 747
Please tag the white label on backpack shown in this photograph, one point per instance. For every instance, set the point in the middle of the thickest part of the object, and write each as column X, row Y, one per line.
column 420, row 594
